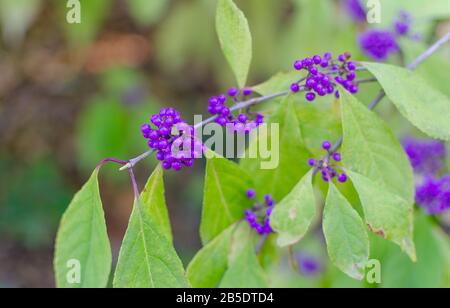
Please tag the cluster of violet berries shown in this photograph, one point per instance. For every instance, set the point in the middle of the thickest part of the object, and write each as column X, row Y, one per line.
column 172, row 139
column 379, row 44
column 243, row 123
column 328, row 166
column 321, row 81
column 427, row 158
column 258, row 217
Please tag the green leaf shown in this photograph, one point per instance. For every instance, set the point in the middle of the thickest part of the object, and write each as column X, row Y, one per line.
column 211, row 262
column 147, row 257
column 386, row 214
column 235, row 39
column 429, row 271
column 292, row 217
column 278, row 83
column 153, row 196
column 345, row 234
column 289, row 163
column 146, row 12
column 82, row 238
column 423, row 105
column 371, row 149
column 224, row 198
column 244, row 270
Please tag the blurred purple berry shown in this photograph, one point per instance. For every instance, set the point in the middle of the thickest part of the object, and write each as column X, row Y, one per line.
column 378, row 44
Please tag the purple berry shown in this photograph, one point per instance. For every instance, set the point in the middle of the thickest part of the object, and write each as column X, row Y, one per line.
column 242, row 118
column 351, row 66
column 232, row 92
column 313, row 70
column 342, row 178
column 337, row 156
column 317, row 59
column 298, row 65
column 312, row 162
column 310, row 96
column 326, row 145
column 251, row 193
column 247, row 91
column 295, row 87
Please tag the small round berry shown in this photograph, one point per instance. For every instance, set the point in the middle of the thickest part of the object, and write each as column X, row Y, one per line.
column 311, row 83
column 242, row 118
column 269, row 211
column 164, row 131
column 312, row 162
column 341, row 58
column 317, row 59
column 222, row 98
column 247, row 91
column 324, row 63
column 307, row 62
column 337, row 156
column 325, row 81
column 232, row 92
column 225, row 111
column 269, row 200
column 259, row 119
column 326, row 145
column 146, row 129
column 177, row 166
column 298, row 65
column 170, row 112
column 153, row 135
column 336, row 94
column 351, row 66
column 222, row 121
column 318, row 88
column 353, row 89
column 328, row 55
column 213, row 100
column 313, row 70
column 251, row 193
column 330, row 89
column 339, row 79
column 310, row 96
column 168, row 121
column 162, row 112
column 351, row 76
column 155, row 119
column 342, row 178
column 295, row 87
column 160, row 156
column 166, row 165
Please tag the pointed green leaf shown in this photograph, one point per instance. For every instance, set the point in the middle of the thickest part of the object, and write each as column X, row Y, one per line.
column 385, row 213
column 224, row 198
column 371, row 149
column 423, row 105
column 345, row 234
column 147, row 257
column 235, row 39
column 287, row 165
column 153, row 196
column 292, row 217
column 82, row 238
column 211, row 262
column 244, row 270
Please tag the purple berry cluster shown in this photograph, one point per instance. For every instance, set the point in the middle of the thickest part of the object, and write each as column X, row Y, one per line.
column 433, row 194
column 324, row 74
column 426, row 156
column 258, row 217
column 243, row 123
column 378, row 44
column 172, row 139
column 328, row 166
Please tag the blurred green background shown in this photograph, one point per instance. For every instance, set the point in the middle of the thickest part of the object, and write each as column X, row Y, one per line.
column 71, row 95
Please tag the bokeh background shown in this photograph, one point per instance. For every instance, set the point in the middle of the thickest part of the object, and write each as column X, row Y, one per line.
column 71, row 95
